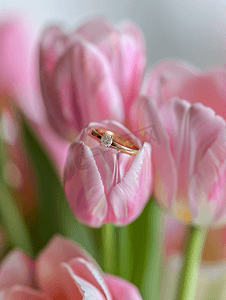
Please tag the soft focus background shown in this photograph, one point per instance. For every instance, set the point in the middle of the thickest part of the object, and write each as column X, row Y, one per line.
column 191, row 30
column 194, row 31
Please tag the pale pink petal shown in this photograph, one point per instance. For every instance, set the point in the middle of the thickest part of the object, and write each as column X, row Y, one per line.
column 166, row 78
column 95, row 83
column 53, row 109
column 122, row 289
column 125, row 51
column 192, row 130
column 65, row 287
column 124, row 48
column 52, row 45
column 131, row 194
column 207, row 193
column 148, row 125
column 91, row 273
column 133, row 62
column 95, row 29
column 90, row 291
column 82, row 79
column 89, row 201
column 48, row 263
column 16, row 268
column 208, row 88
column 170, row 79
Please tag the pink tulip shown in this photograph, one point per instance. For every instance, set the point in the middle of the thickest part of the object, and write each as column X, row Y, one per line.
column 62, row 271
column 104, row 185
column 189, row 163
column 92, row 74
column 178, row 79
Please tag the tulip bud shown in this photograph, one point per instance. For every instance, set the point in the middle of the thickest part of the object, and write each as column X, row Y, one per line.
column 104, row 185
column 92, row 74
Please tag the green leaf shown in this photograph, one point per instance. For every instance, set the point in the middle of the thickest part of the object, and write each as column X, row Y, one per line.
column 54, row 215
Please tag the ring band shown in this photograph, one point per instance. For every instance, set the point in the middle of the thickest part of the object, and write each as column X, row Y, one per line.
column 109, row 139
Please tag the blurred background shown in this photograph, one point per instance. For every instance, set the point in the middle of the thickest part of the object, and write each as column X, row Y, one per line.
column 191, row 30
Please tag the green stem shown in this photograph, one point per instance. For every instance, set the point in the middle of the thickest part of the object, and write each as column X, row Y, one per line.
column 109, row 249
column 125, row 253
column 150, row 287
column 190, row 271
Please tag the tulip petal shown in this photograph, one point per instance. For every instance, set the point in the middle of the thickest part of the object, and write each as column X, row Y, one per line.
column 122, row 289
column 90, row 291
column 66, row 287
column 83, row 79
column 192, row 129
column 129, row 197
column 207, row 192
column 95, row 29
column 147, row 123
column 125, row 51
column 170, row 79
column 89, row 202
column 208, row 88
column 165, row 79
column 52, row 46
column 90, row 273
column 133, row 59
column 16, row 268
column 48, row 263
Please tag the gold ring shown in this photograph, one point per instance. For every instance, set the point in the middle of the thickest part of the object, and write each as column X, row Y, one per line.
column 109, row 139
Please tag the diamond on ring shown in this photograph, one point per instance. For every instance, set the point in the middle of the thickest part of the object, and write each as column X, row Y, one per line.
column 106, row 140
